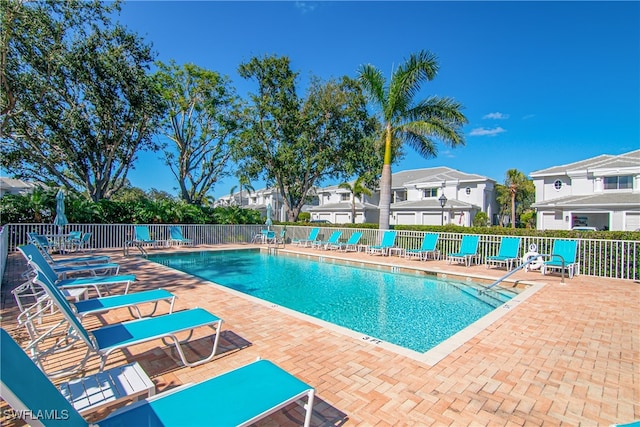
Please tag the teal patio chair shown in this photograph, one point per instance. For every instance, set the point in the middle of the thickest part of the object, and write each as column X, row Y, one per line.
column 563, row 256
column 427, row 248
column 244, row 396
column 176, row 236
column 116, row 336
column 82, row 244
column 508, row 253
column 468, row 250
column 37, row 262
column 351, row 245
column 313, row 236
column 388, row 241
column 332, row 240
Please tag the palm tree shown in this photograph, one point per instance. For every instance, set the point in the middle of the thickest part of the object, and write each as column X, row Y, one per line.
column 516, row 182
column 403, row 120
column 357, row 190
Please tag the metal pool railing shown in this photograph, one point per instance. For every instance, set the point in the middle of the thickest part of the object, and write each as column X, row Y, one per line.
column 598, row 257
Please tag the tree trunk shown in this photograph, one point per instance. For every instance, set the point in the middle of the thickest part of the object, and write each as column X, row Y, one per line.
column 385, row 183
column 513, row 208
column 353, row 208
column 385, row 197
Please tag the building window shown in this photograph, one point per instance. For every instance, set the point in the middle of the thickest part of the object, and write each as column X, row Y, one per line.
column 557, row 184
column 345, row 197
column 429, row 192
column 618, row 182
column 400, row 196
column 467, row 191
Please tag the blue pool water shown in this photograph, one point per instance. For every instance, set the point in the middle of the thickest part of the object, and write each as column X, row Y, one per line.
column 411, row 311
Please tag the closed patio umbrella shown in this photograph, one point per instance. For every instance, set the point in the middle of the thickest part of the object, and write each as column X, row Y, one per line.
column 60, row 219
column 269, row 222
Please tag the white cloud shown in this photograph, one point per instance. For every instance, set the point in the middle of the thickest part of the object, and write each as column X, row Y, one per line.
column 496, row 116
column 486, row 132
column 305, row 7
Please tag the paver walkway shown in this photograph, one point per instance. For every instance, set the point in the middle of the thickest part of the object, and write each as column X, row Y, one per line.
column 567, row 355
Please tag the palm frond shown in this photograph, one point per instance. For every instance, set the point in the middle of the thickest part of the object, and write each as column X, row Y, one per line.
column 373, row 83
column 408, row 78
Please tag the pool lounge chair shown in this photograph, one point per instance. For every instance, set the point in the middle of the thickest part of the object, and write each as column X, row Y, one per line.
column 142, row 236
column 176, row 236
column 37, row 262
column 313, row 236
column 242, row 396
column 95, row 306
column 468, row 250
column 31, row 317
column 351, row 245
column 508, row 253
column 39, row 241
column 388, row 241
column 332, row 240
column 427, row 248
column 563, row 256
column 106, row 339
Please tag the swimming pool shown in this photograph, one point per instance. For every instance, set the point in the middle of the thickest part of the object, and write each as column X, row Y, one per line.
column 409, row 310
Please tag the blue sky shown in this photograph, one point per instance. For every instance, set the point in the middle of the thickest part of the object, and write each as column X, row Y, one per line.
column 543, row 83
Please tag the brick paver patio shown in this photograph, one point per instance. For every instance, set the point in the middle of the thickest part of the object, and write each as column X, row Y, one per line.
column 567, row 355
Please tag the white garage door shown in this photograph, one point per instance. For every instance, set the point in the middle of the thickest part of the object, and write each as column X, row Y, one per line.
column 431, row 218
column 405, row 218
column 632, row 221
column 343, row 218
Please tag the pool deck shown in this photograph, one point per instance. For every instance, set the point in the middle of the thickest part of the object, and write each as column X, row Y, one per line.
column 568, row 354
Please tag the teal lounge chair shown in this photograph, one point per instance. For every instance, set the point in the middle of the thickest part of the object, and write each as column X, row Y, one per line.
column 332, row 240
column 107, row 339
column 563, row 256
column 313, row 236
column 39, row 264
column 468, row 250
column 142, row 236
column 427, row 248
column 37, row 240
column 95, row 306
column 388, row 241
column 508, row 253
column 242, row 396
column 176, row 236
column 31, row 317
column 350, row 245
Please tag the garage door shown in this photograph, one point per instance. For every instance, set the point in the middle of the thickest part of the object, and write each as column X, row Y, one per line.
column 431, row 218
column 632, row 221
column 405, row 218
column 343, row 218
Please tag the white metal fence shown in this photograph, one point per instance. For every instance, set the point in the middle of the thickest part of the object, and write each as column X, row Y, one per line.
column 598, row 257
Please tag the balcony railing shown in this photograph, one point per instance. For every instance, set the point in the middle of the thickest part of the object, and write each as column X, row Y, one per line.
column 598, row 257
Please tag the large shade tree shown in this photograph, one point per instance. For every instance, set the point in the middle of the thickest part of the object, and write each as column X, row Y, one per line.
column 78, row 103
column 419, row 123
column 297, row 141
column 203, row 122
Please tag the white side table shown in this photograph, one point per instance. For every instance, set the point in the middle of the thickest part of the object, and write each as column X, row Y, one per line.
column 93, row 392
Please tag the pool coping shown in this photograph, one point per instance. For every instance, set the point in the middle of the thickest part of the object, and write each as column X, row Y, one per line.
column 432, row 356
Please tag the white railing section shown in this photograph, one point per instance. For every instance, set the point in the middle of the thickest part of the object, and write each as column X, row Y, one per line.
column 4, row 249
column 598, row 257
